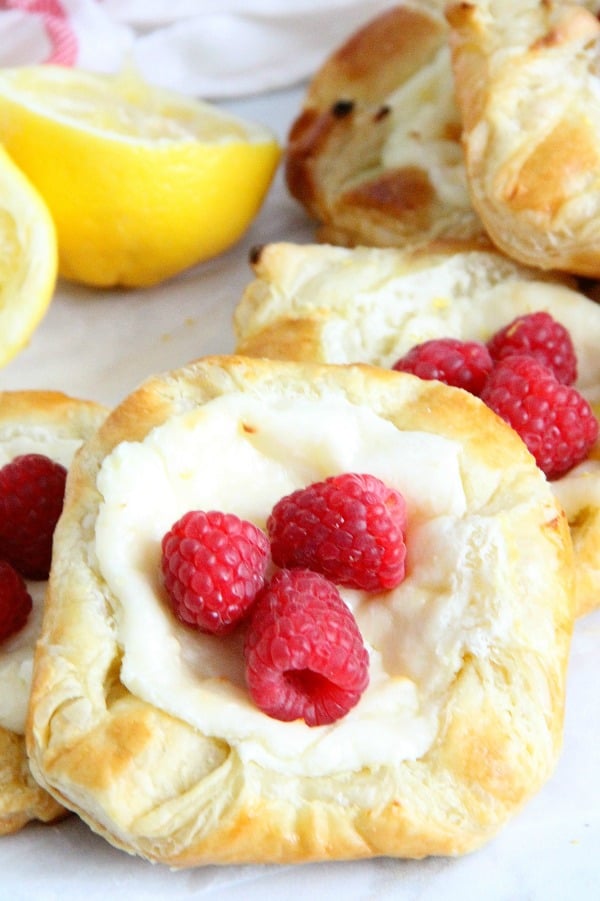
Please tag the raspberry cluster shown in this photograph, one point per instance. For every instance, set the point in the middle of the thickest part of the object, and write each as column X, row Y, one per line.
column 554, row 420
column 15, row 601
column 32, row 491
column 304, row 654
column 213, row 565
column 462, row 364
column 349, row 528
column 540, row 336
column 525, row 373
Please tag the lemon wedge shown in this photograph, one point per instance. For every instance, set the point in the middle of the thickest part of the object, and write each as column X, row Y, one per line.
column 142, row 183
column 28, row 259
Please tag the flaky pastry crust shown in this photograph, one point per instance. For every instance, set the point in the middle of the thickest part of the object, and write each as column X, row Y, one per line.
column 50, row 413
column 155, row 786
column 527, row 86
column 334, row 305
column 375, row 154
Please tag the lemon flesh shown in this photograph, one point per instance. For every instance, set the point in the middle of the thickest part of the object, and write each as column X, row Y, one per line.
column 141, row 183
column 28, row 259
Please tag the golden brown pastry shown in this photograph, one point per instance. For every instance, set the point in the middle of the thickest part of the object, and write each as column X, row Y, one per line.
column 334, row 305
column 375, row 154
column 527, row 86
column 47, row 423
column 146, row 729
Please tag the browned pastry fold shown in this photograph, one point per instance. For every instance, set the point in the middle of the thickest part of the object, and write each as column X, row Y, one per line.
column 375, row 154
column 528, row 89
column 172, row 787
column 21, row 798
column 36, row 418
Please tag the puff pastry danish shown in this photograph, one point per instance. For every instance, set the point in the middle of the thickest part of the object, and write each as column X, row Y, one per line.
column 528, row 89
column 146, row 729
column 55, row 425
column 335, row 305
column 375, row 154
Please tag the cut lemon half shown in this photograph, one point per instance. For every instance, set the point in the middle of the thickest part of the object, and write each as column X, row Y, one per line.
column 142, row 183
column 28, row 259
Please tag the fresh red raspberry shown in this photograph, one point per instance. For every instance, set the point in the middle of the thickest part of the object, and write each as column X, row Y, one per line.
column 15, row 601
column 555, row 422
column 538, row 335
column 462, row 364
column 350, row 528
column 32, row 490
column 304, row 654
column 213, row 565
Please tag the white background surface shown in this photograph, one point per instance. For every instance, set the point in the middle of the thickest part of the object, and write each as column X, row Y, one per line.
column 100, row 345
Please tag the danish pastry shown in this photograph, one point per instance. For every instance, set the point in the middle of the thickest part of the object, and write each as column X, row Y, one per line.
column 54, row 425
column 145, row 727
column 375, row 154
column 526, row 78
column 335, row 305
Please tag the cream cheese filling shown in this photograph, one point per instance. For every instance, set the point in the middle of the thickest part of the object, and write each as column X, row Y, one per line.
column 240, row 454
column 426, row 123
column 16, row 654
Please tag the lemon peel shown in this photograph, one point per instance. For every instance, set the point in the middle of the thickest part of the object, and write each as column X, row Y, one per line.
column 141, row 182
column 28, row 259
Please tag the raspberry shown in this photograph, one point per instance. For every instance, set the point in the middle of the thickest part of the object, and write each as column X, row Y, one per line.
column 213, row 565
column 538, row 335
column 462, row 364
column 304, row 653
column 32, row 489
column 15, row 601
column 555, row 422
column 350, row 528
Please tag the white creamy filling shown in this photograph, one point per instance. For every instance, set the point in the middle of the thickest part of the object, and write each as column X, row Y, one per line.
column 425, row 115
column 579, row 488
column 16, row 654
column 241, row 455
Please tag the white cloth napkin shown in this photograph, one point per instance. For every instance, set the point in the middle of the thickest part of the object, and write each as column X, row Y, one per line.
column 208, row 48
